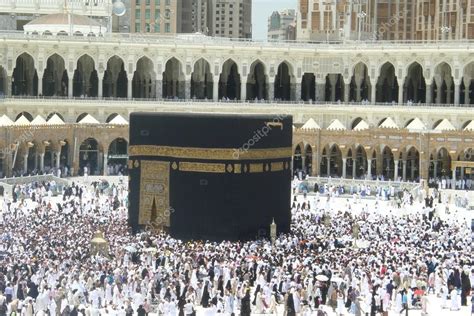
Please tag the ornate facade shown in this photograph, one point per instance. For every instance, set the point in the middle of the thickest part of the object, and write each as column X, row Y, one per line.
column 80, row 76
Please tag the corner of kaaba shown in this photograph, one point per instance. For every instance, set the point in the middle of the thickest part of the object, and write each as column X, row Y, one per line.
column 209, row 176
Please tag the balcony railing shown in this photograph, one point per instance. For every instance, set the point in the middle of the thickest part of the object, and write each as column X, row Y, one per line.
column 153, row 101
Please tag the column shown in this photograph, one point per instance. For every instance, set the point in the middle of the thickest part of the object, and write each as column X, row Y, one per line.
column 457, row 89
column 129, row 88
column 36, row 161
column 9, row 89
column 435, row 164
column 358, row 94
column 462, row 173
column 404, row 170
column 429, row 93
column 70, row 86
column 58, row 159
column 395, row 166
column 298, row 90
column 243, row 89
column 412, row 173
column 329, row 166
column 106, row 162
column 187, row 88
column 215, row 89
column 344, row 160
column 159, row 87
column 315, row 162
column 467, row 83
column 454, row 178
column 400, row 93
column 271, row 88
column 347, row 90
column 51, row 153
column 40, row 83
column 100, row 84
column 303, row 162
column 320, row 87
column 354, row 168
column 373, row 91
column 333, row 80
column 25, row 163
column 41, row 161
column 369, row 168
column 439, row 90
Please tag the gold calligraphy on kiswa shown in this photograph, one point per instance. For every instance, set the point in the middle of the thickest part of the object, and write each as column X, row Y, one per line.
column 154, row 192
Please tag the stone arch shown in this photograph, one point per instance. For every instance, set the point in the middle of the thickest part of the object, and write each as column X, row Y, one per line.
column 90, row 156
column 443, row 84
column 334, row 87
column 414, row 86
column 3, row 81
column 360, row 83
column 331, row 161
column 467, row 84
column 412, row 158
column 355, row 122
column 25, row 76
column 143, row 84
column 229, row 81
column 387, row 162
column 308, row 87
column 308, row 161
column 55, row 77
column 28, row 116
column 387, row 84
column 117, row 157
column 85, row 79
column 173, row 79
column 257, row 81
column 115, row 82
column 50, row 115
column 466, row 123
column 81, row 116
column 298, row 157
column 284, row 88
column 202, row 80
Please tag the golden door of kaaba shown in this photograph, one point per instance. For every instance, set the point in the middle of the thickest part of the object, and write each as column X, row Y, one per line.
column 154, row 194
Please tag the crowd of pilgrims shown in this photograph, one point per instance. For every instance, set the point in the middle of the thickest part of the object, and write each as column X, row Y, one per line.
column 46, row 267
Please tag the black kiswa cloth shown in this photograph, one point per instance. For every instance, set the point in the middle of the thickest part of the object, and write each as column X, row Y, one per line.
column 229, row 175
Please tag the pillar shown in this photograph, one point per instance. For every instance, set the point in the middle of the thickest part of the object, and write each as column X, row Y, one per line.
column 429, row 93
column 344, row 164
column 8, row 89
column 36, row 161
column 333, row 81
column 58, row 159
column 271, row 88
column 373, row 90
column 70, row 86
column 215, row 89
column 462, row 173
column 457, row 89
column 100, row 90
column 25, row 163
column 298, row 90
column 320, row 87
column 329, row 166
column 129, row 88
column 404, row 170
column 159, row 87
column 187, row 88
column 315, row 162
column 438, row 92
column 354, row 168
column 395, row 168
column 435, row 164
column 467, row 83
column 347, row 90
column 454, row 178
column 369, row 168
column 243, row 89
column 41, row 161
column 412, row 171
column 303, row 162
column 106, row 162
column 400, row 93
column 358, row 93
column 40, row 83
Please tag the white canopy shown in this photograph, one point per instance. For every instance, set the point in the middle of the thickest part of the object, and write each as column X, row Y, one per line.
column 388, row 123
column 416, row 124
column 362, row 125
column 55, row 120
column 119, row 120
column 5, row 121
column 336, row 125
column 310, row 125
column 88, row 119
column 470, row 126
column 445, row 125
column 38, row 120
column 22, row 120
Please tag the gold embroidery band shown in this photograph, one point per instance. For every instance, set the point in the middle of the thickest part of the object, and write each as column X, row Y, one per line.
column 210, row 153
column 202, row 167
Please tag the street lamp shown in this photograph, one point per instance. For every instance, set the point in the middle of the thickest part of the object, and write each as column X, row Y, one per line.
column 361, row 16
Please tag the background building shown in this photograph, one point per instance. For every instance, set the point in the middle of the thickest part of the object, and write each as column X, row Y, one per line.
column 155, row 16
column 15, row 14
column 282, row 25
column 230, row 18
column 385, row 20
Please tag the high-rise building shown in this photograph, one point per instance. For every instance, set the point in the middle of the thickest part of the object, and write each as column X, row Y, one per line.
column 15, row 14
column 229, row 18
column 281, row 25
column 385, row 20
column 155, row 16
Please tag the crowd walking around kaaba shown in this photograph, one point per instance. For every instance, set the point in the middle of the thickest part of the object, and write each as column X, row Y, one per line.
column 376, row 260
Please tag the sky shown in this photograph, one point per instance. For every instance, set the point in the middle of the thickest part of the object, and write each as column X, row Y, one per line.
column 262, row 9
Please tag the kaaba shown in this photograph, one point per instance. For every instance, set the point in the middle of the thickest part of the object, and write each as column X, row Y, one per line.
column 208, row 176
